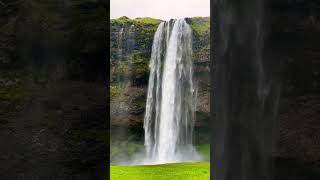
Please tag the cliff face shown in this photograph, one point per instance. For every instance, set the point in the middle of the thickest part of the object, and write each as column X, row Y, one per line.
column 131, row 40
column 294, row 36
column 52, row 97
column 131, row 46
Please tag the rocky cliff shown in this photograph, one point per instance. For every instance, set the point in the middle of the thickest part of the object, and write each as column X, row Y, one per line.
column 293, row 38
column 52, row 94
column 131, row 45
column 52, row 97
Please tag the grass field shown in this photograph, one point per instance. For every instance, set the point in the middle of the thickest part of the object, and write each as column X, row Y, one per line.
column 179, row 171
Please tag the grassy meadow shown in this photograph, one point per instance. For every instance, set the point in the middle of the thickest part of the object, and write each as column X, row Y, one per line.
column 183, row 171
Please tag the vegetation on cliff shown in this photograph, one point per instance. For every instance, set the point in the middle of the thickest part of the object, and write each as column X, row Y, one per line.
column 52, row 60
column 131, row 45
column 144, row 29
column 142, row 21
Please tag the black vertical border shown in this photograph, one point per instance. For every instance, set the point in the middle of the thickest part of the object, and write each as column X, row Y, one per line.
column 107, row 83
column 213, row 22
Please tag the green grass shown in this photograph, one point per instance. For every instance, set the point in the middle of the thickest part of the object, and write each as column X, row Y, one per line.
column 183, row 171
column 146, row 20
column 200, row 25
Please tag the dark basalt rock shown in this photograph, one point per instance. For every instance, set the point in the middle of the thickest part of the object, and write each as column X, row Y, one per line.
column 53, row 109
column 291, row 47
column 293, row 39
column 188, row 20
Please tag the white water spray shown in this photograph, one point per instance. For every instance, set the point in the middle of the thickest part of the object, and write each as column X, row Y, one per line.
column 171, row 99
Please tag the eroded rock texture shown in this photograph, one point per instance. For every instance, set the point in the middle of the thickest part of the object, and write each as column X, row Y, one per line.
column 294, row 39
column 131, row 45
column 53, row 110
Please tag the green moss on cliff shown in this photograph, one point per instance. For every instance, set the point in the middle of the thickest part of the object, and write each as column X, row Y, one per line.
column 138, row 71
column 201, row 41
column 200, row 25
column 115, row 91
column 12, row 98
column 140, row 64
column 144, row 30
column 201, row 33
column 139, row 104
column 126, row 20
column 13, row 92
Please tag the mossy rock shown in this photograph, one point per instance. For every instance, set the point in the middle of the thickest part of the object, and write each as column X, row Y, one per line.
column 201, row 32
column 14, row 92
column 144, row 30
column 138, row 106
column 200, row 25
column 134, row 68
column 116, row 90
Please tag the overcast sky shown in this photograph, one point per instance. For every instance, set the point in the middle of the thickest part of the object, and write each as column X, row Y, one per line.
column 161, row 9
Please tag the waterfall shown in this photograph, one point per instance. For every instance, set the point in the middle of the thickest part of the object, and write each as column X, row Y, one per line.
column 125, row 43
column 120, row 51
column 171, row 98
column 130, row 49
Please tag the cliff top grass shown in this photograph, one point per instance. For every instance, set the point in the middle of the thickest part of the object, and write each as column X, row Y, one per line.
column 145, row 20
column 185, row 171
column 200, row 25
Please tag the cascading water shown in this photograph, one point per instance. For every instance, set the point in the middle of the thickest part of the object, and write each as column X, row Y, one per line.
column 130, row 46
column 171, row 99
column 125, row 45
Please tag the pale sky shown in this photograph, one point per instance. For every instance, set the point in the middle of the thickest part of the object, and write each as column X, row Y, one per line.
column 161, row 9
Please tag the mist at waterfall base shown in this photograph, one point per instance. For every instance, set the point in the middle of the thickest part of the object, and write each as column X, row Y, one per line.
column 171, row 99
